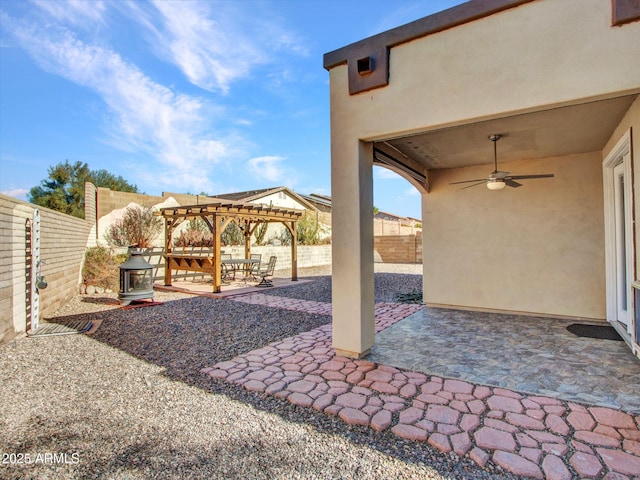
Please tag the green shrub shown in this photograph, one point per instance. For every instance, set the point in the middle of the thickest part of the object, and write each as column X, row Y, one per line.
column 101, row 268
column 232, row 235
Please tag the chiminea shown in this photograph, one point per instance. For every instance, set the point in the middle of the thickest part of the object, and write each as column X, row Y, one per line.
column 136, row 278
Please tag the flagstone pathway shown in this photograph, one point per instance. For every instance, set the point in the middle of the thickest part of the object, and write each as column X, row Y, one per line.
column 531, row 436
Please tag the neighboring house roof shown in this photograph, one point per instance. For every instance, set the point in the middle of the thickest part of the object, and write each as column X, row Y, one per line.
column 254, row 195
column 322, row 203
column 398, row 218
column 388, row 216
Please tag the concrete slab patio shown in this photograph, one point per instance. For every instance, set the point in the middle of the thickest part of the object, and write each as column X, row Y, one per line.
column 531, row 435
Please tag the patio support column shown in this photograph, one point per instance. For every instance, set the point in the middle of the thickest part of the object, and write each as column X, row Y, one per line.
column 352, row 252
column 217, row 261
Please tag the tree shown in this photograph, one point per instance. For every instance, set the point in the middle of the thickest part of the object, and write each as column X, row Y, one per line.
column 63, row 189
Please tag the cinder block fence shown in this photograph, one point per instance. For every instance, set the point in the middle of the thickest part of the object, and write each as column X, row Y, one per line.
column 62, row 245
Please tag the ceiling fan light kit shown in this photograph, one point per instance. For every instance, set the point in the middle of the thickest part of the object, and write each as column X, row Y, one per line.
column 498, row 180
column 495, row 184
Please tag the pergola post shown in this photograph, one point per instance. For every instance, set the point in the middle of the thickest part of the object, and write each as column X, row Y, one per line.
column 247, row 238
column 294, row 251
column 168, row 232
column 217, row 261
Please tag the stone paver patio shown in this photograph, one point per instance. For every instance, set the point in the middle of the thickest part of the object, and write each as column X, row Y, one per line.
column 528, row 354
column 529, row 435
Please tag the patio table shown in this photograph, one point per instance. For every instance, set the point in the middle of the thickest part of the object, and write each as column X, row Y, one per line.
column 241, row 265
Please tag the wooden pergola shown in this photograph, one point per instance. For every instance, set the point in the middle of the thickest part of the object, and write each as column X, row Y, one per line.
column 217, row 216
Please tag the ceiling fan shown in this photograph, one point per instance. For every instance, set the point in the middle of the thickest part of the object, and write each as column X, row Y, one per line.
column 498, row 180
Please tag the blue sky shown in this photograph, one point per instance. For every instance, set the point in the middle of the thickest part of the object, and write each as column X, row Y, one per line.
column 180, row 96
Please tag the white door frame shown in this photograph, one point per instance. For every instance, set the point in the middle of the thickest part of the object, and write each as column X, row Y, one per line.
column 620, row 154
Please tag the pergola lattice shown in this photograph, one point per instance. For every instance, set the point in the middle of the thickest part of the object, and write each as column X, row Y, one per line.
column 217, row 216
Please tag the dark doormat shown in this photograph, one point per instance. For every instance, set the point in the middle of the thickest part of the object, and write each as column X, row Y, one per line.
column 602, row 332
column 47, row 329
column 413, row 297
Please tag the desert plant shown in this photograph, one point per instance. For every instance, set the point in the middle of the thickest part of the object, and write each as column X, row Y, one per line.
column 138, row 226
column 308, row 230
column 197, row 234
column 232, row 235
column 284, row 237
column 197, row 224
column 260, row 233
column 100, row 268
column 194, row 238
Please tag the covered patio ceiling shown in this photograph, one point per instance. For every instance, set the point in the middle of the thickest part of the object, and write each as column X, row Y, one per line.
column 554, row 132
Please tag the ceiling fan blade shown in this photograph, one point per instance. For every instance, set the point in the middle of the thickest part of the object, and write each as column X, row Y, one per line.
column 469, row 181
column 498, row 174
column 523, row 177
column 511, row 183
column 480, row 182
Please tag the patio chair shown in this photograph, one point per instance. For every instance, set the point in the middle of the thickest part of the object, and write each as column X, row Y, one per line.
column 267, row 272
column 255, row 267
column 228, row 272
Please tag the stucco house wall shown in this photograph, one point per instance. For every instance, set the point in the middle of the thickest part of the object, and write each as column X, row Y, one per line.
column 537, row 249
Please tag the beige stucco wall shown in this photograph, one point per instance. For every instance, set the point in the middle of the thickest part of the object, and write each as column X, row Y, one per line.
column 538, row 248
column 540, row 54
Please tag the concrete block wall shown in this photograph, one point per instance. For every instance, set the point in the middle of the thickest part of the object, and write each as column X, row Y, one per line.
column 398, row 248
column 13, row 295
column 308, row 256
column 108, row 200
column 62, row 244
column 382, row 227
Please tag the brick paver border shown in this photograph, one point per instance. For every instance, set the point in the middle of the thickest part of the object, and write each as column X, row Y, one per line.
column 528, row 435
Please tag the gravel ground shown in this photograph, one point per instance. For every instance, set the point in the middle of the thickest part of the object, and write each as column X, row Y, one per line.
column 130, row 401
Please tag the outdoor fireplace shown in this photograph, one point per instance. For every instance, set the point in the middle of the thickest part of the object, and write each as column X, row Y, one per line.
column 136, row 278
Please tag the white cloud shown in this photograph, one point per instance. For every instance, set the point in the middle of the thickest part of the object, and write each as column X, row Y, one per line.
column 143, row 116
column 383, row 173
column 213, row 43
column 411, row 192
column 16, row 193
column 269, row 168
column 76, row 12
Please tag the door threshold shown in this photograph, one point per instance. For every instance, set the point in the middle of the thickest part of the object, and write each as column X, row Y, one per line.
column 621, row 328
